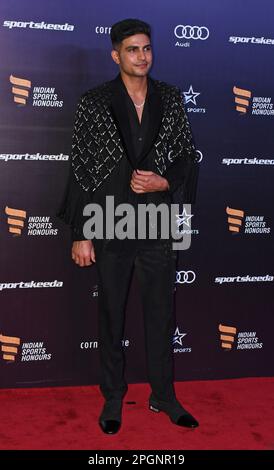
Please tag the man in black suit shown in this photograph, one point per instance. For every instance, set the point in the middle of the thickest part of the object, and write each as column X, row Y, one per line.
column 131, row 140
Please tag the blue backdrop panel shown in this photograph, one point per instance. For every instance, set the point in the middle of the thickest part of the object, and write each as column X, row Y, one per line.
column 221, row 56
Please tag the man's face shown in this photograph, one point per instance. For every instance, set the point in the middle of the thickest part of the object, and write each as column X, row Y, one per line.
column 134, row 55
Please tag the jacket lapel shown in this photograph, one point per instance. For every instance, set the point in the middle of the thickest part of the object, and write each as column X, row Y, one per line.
column 155, row 110
column 119, row 113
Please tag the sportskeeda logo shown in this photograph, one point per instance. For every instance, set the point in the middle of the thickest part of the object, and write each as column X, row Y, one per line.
column 243, row 279
column 247, row 40
column 42, row 25
column 30, row 285
column 245, row 161
column 30, row 157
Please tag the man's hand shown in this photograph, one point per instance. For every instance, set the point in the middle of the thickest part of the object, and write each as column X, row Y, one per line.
column 83, row 253
column 147, row 182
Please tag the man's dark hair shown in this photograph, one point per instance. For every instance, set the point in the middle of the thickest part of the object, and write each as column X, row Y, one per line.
column 125, row 28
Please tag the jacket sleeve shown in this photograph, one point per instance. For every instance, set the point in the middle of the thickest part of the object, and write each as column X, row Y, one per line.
column 72, row 205
column 75, row 198
column 182, row 174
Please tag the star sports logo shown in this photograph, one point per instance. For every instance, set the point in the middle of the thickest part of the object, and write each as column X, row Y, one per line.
column 178, row 337
column 183, row 219
column 190, row 95
column 190, row 98
column 183, row 222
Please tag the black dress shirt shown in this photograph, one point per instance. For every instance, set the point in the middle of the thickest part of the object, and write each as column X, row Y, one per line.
column 138, row 129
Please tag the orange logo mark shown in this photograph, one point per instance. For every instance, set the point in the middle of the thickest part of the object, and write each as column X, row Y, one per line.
column 235, row 219
column 15, row 220
column 20, row 89
column 241, row 99
column 9, row 347
column 227, row 336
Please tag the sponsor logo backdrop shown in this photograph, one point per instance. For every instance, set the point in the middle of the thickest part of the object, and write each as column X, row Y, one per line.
column 222, row 59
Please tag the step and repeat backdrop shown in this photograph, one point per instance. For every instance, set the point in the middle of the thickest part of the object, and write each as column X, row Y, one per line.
column 221, row 56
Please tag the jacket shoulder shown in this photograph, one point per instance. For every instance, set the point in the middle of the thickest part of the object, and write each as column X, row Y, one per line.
column 166, row 88
column 100, row 92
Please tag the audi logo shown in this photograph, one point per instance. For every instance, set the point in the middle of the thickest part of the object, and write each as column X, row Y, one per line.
column 200, row 156
column 185, row 277
column 191, row 32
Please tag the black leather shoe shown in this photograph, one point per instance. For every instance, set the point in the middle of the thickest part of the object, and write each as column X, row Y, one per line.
column 110, row 426
column 177, row 414
column 110, row 418
column 188, row 421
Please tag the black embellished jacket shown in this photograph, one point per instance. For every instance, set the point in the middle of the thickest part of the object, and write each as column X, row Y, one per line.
column 102, row 152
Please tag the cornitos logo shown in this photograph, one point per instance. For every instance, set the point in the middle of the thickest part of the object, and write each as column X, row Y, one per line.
column 185, row 277
column 16, row 220
column 242, row 98
column 20, row 90
column 227, row 336
column 102, row 29
column 42, row 25
column 9, row 347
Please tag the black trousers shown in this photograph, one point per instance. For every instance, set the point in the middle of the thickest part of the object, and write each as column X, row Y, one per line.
column 155, row 265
